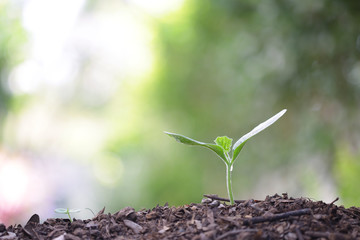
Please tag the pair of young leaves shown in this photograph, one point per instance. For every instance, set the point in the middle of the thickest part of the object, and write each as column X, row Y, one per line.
column 223, row 144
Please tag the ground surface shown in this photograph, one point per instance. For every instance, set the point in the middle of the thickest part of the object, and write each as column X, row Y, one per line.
column 276, row 217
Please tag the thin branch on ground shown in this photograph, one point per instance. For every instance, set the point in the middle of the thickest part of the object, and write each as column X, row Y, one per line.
column 215, row 197
column 330, row 204
column 278, row 216
column 336, row 199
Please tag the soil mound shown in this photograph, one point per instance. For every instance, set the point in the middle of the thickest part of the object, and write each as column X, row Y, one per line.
column 276, row 217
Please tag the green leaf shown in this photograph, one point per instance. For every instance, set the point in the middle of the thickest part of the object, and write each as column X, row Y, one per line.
column 224, row 142
column 241, row 142
column 61, row 210
column 75, row 210
column 66, row 210
column 237, row 151
column 186, row 140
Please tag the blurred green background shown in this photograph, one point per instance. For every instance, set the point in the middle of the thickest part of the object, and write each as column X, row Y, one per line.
column 88, row 87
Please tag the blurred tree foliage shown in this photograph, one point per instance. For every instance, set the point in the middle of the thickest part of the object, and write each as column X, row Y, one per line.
column 12, row 37
column 225, row 66
column 222, row 68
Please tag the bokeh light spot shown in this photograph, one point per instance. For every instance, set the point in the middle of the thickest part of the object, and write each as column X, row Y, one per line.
column 14, row 178
column 108, row 169
column 159, row 7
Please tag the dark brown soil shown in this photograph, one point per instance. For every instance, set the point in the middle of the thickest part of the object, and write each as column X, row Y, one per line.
column 276, row 217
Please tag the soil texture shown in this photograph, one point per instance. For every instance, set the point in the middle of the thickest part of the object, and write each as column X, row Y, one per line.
column 276, row 217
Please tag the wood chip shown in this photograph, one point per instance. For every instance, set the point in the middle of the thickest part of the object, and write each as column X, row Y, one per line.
column 134, row 226
column 164, row 229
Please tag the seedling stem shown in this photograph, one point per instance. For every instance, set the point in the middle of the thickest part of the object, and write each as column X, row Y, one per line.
column 223, row 147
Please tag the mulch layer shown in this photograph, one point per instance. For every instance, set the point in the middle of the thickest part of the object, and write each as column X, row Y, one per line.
column 276, row 217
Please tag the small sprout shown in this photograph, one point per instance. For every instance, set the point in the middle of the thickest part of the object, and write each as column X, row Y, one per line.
column 90, row 211
column 223, row 147
column 67, row 211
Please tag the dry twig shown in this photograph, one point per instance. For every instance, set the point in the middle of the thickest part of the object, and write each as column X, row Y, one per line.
column 215, row 197
column 277, row 216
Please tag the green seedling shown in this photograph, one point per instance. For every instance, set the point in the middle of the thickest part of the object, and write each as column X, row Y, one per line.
column 223, row 147
column 69, row 211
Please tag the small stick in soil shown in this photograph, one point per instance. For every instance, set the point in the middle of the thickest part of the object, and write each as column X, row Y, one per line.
column 330, row 204
column 277, row 216
column 336, row 199
column 215, row 197
column 299, row 234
